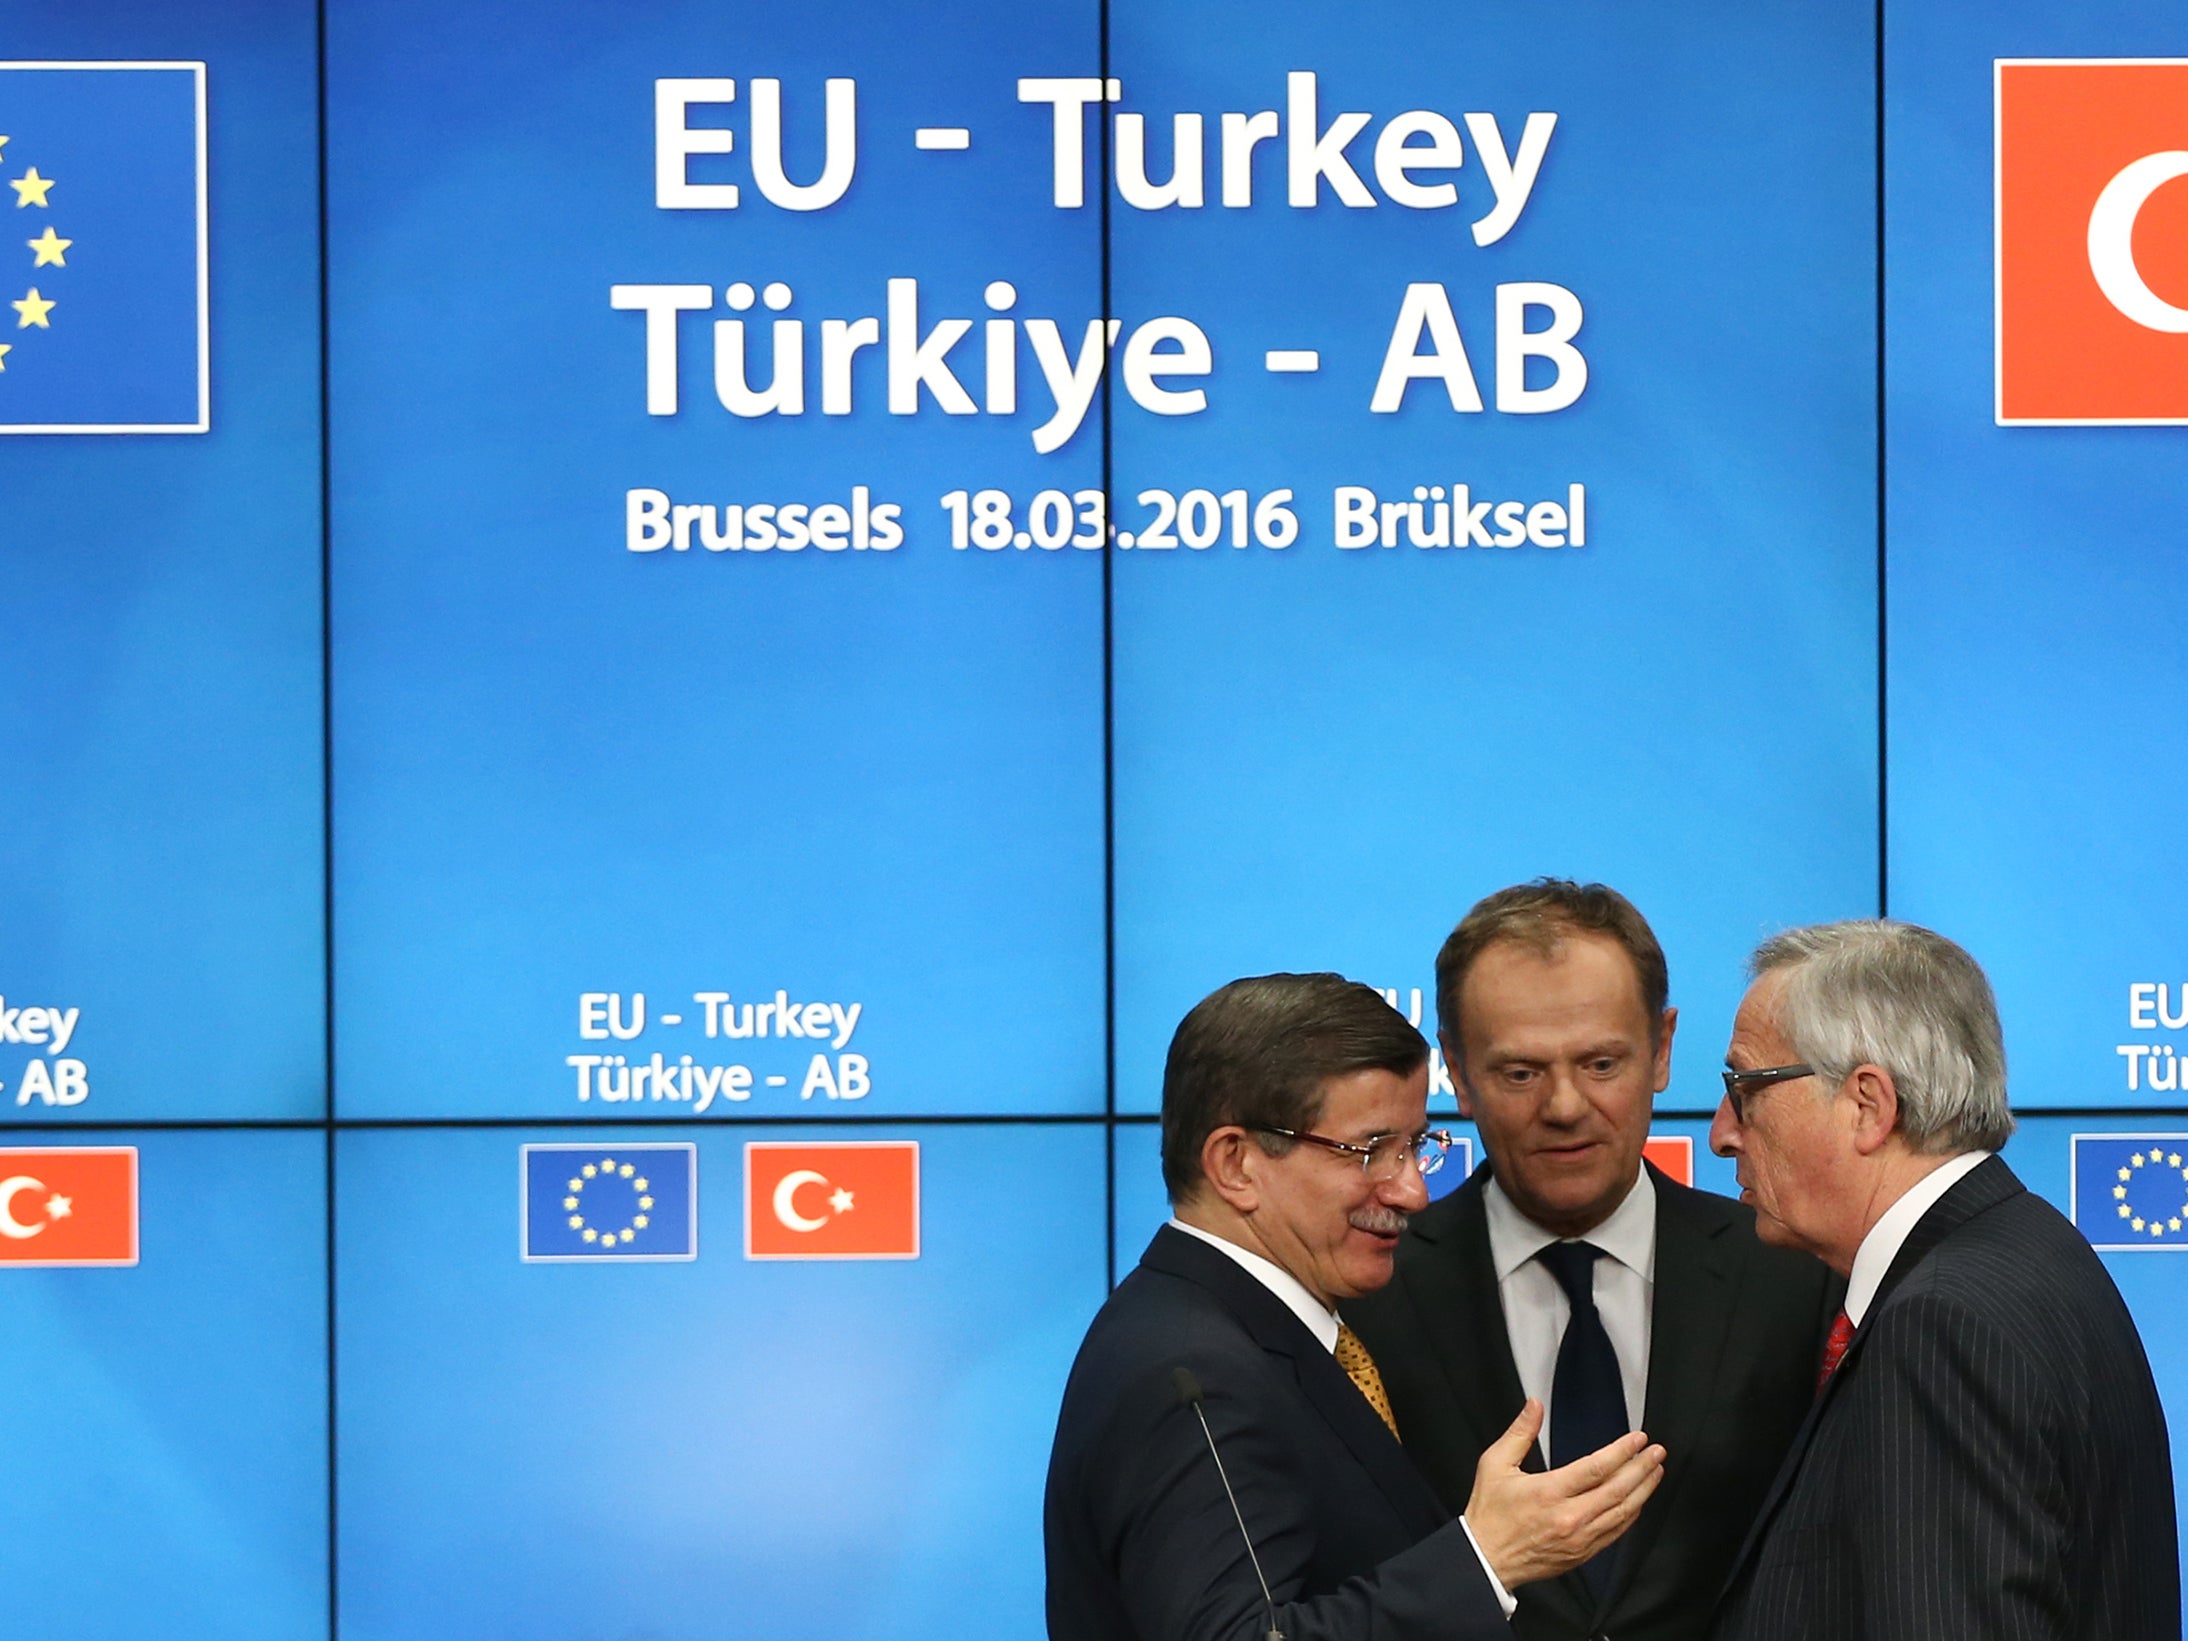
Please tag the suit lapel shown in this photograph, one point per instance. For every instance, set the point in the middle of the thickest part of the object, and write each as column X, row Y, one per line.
column 1454, row 1295
column 1456, row 1298
column 1324, row 1384
column 1984, row 1187
column 1690, row 1317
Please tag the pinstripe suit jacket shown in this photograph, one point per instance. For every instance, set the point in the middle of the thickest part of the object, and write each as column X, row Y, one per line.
column 1989, row 1461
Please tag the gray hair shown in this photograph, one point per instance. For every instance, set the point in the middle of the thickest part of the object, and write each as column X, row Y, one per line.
column 1896, row 995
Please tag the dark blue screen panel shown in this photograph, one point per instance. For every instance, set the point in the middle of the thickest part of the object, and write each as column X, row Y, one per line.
column 1326, row 752
column 166, row 1421
column 715, row 1446
column 866, row 772
column 2036, row 755
column 160, row 846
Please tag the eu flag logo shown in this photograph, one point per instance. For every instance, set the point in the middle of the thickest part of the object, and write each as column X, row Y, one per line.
column 2131, row 1190
column 601, row 1200
column 103, row 248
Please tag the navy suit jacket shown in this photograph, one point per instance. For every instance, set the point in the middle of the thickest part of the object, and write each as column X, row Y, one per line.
column 1735, row 1332
column 1989, row 1460
column 1141, row 1542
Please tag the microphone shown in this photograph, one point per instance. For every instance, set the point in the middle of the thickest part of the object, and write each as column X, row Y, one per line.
column 1190, row 1394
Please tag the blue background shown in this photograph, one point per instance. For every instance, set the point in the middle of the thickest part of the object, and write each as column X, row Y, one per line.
column 1024, row 807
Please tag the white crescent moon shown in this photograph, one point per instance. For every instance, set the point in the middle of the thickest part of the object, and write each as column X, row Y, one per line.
column 9, row 1190
column 785, row 1210
column 2111, row 241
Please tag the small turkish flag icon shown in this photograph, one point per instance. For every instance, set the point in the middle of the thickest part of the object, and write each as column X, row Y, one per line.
column 1673, row 1155
column 68, row 1205
column 843, row 1199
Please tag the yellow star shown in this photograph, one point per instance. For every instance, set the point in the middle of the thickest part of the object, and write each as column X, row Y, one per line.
column 6, row 348
column 589, row 1171
column 626, row 1170
column 2117, row 1190
column 569, row 1202
column 2125, row 1210
column 3, row 142
column 2172, row 1225
column 2138, row 1224
column 30, row 188
column 49, row 247
column 639, row 1220
column 577, row 1222
column 2173, row 1161
column 577, row 1185
column 34, row 309
column 2135, row 1161
column 640, row 1185
column 2126, row 1174
column 594, row 1236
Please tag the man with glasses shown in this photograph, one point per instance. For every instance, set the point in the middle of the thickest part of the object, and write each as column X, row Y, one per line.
column 1226, row 1462
column 1987, row 1455
column 1569, row 1271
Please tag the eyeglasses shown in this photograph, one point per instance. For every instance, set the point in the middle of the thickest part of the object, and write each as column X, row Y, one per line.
column 1383, row 1157
column 1742, row 1086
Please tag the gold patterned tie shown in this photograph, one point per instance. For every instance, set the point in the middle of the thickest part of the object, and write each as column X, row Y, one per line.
column 1359, row 1367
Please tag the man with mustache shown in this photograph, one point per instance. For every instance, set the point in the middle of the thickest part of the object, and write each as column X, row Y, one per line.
column 1987, row 1456
column 1294, row 1138
column 1570, row 1271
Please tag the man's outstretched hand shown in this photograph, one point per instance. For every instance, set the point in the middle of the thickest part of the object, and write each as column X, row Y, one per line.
column 1532, row 1527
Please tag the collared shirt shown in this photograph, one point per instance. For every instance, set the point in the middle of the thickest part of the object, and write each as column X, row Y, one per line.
column 1322, row 1322
column 1536, row 1309
column 1889, row 1234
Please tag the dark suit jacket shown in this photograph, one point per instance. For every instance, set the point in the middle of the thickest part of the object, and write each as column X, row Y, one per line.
column 1141, row 1541
column 1735, row 1333
column 1989, row 1460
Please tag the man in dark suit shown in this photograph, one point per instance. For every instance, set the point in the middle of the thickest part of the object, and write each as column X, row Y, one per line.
column 1569, row 1270
column 1987, row 1457
column 1294, row 1127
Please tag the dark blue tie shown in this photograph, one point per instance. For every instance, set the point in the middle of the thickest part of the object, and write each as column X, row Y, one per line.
column 1587, row 1396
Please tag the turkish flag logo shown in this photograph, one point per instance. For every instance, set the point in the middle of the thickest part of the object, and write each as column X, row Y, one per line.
column 845, row 1199
column 1673, row 1155
column 2092, row 240
column 68, row 1205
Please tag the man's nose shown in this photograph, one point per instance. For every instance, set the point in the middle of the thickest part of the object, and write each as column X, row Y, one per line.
column 1564, row 1103
column 1724, row 1133
column 1407, row 1189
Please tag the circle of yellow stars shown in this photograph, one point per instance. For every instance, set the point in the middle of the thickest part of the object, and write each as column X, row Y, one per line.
column 608, row 1168
column 2156, row 1224
column 48, row 250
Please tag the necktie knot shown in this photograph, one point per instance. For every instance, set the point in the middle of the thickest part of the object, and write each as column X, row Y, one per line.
column 1573, row 1264
column 1834, row 1350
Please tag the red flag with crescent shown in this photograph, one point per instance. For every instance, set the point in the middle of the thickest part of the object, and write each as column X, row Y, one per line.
column 844, row 1199
column 68, row 1205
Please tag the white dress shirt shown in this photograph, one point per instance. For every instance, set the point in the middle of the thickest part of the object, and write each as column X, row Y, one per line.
column 1889, row 1234
column 1536, row 1309
column 1322, row 1322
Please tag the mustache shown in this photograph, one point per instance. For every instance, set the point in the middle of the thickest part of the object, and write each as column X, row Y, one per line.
column 1378, row 1217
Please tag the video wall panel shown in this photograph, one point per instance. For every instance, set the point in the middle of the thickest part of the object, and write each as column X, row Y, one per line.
column 2035, row 529
column 1583, row 578
column 874, row 556
column 164, row 1411
column 714, row 1444
column 161, row 896
column 803, row 787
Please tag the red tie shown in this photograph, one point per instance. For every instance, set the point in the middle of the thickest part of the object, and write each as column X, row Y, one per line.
column 1834, row 1350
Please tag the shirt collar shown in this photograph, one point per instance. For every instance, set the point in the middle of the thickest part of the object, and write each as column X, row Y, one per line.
column 1628, row 1236
column 1320, row 1321
column 1889, row 1234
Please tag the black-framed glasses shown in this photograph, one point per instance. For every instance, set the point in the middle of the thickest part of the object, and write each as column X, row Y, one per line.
column 1741, row 1086
column 1384, row 1156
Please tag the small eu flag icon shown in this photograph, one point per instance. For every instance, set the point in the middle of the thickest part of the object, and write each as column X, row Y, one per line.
column 104, row 310
column 601, row 1200
column 2131, row 1190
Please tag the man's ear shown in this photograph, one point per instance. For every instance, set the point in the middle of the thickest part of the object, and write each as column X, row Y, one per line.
column 1455, row 1064
column 1874, row 1099
column 1230, row 1164
column 1660, row 1072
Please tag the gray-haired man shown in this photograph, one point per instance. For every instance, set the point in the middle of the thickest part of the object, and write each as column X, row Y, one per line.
column 1987, row 1456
